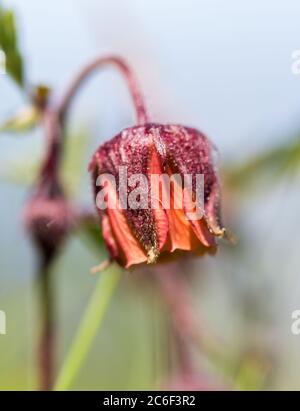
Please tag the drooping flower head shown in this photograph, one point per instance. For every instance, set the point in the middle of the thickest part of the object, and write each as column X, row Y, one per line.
column 143, row 234
column 147, row 229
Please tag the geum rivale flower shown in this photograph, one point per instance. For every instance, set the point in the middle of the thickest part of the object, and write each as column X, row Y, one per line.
column 135, row 235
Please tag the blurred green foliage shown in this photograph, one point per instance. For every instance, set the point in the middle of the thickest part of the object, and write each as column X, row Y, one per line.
column 24, row 171
column 9, row 45
column 275, row 163
column 22, row 121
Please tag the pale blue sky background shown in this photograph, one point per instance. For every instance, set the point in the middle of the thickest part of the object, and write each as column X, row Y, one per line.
column 223, row 67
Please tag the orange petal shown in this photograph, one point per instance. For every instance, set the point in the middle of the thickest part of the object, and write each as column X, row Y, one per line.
column 160, row 216
column 199, row 226
column 109, row 237
column 130, row 251
column 181, row 235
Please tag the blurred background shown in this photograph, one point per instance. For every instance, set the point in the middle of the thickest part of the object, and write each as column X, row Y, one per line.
column 224, row 68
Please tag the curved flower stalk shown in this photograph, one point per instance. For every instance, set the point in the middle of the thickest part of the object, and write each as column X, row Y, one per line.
column 95, row 65
column 143, row 233
column 135, row 235
column 151, row 231
column 49, row 216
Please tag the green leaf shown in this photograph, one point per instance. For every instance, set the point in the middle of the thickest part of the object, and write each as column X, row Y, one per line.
column 23, row 121
column 9, row 46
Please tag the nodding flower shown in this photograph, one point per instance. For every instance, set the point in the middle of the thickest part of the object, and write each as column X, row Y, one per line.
column 144, row 233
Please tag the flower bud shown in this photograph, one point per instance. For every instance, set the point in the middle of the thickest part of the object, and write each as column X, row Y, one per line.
column 48, row 221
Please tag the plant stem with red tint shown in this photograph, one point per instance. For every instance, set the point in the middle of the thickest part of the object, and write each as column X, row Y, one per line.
column 47, row 333
column 50, row 166
column 49, row 190
column 188, row 333
column 121, row 65
column 175, row 295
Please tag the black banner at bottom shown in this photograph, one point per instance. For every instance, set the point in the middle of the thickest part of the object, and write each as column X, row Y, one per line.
column 93, row 400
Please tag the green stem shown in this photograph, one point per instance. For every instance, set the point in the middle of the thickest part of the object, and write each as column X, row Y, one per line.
column 88, row 328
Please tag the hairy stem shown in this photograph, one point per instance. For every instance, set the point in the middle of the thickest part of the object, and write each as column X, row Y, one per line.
column 87, row 71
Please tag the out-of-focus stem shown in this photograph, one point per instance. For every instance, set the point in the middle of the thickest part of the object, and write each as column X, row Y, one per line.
column 187, row 330
column 88, row 328
column 47, row 337
column 174, row 292
column 87, row 71
column 48, row 186
column 49, row 173
column 174, row 288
